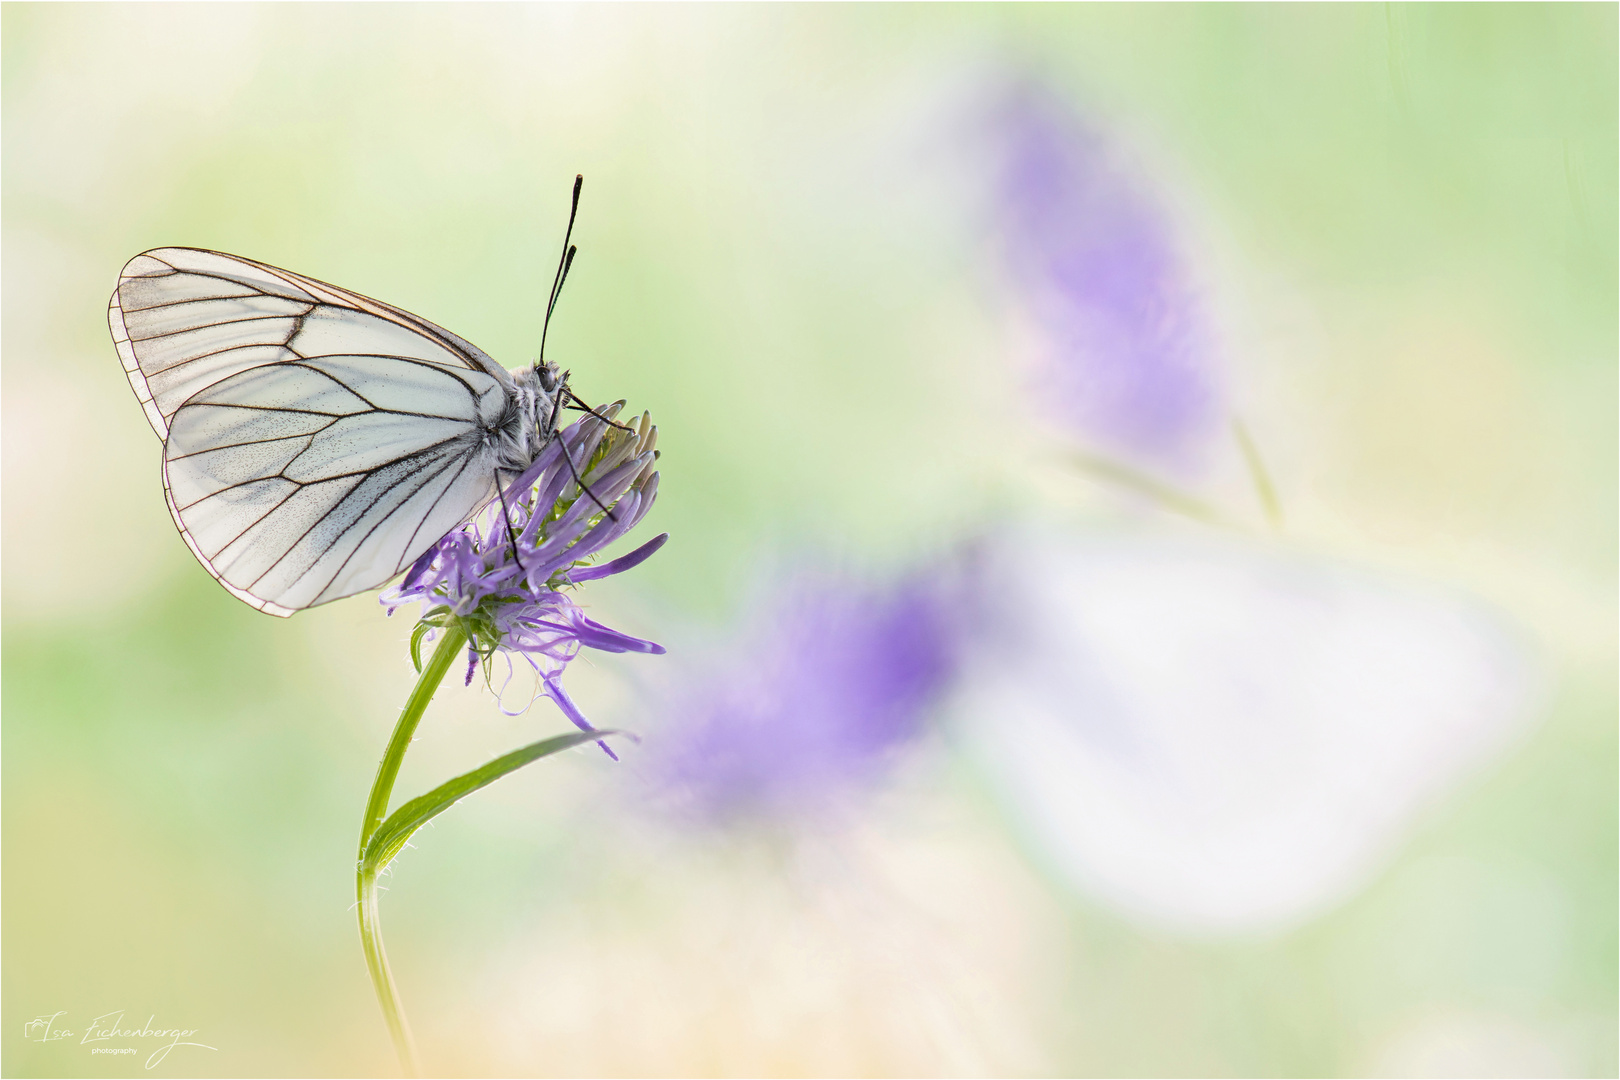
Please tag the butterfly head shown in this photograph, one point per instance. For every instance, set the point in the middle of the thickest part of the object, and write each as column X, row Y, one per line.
column 546, row 374
column 553, row 395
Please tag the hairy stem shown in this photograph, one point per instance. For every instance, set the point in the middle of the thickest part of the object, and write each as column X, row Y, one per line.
column 382, row 979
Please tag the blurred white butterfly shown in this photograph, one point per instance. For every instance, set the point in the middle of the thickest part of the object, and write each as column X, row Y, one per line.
column 316, row 442
column 1223, row 737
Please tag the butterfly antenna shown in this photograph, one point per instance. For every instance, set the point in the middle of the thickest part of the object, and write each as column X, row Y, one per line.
column 563, row 264
column 580, row 406
column 567, row 457
column 506, row 516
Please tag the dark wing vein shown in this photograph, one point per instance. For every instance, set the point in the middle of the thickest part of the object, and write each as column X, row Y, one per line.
column 297, row 487
column 216, row 352
column 282, row 475
column 359, row 517
column 430, row 365
column 200, row 299
column 429, row 513
column 279, row 408
column 224, row 322
column 260, row 442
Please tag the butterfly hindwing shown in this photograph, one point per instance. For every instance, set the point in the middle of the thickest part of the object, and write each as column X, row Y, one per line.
column 305, row 481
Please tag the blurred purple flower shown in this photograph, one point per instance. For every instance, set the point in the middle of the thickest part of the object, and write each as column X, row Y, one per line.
column 1129, row 356
column 832, row 682
column 512, row 602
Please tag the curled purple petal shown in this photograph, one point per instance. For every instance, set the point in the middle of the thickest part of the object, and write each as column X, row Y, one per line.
column 593, row 635
column 622, row 563
column 554, row 690
column 418, row 568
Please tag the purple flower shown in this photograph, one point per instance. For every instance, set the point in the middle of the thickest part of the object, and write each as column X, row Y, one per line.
column 1129, row 356
column 833, row 679
column 504, row 582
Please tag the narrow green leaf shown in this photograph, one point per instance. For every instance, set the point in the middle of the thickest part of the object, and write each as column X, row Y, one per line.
column 391, row 835
column 416, row 644
column 1153, row 488
column 1257, row 472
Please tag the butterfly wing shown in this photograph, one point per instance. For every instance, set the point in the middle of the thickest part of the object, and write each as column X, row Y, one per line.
column 300, row 482
column 1220, row 736
column 184, row 318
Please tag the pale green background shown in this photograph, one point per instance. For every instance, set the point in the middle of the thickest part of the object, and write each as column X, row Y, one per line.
column 1405, row 218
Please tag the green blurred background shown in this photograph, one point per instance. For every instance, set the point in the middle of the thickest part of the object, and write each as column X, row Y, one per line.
column 1406, row 219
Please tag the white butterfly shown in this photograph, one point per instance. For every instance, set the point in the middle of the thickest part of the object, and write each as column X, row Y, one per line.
column 315, row 441
column 1223, row 737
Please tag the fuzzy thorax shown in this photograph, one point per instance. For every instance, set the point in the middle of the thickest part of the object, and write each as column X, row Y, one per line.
column 529, row 423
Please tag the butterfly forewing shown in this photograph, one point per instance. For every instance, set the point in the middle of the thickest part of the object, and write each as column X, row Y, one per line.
column 316, row 442
column 184, row 318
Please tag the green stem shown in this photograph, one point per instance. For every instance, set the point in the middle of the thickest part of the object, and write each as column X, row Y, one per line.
column 428, row 682
column 382, row 979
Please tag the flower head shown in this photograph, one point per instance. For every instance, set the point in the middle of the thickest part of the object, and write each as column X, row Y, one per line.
column 506, row 579
column 1130, row 359
column 833, row 680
